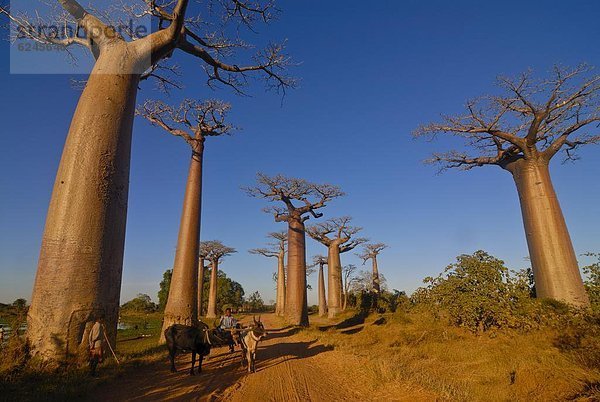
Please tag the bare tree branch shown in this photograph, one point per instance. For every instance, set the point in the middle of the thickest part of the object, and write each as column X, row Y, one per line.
column 371, row 251
column 293, row 191
column 215, row 250
column 336, row 230
column 533, row 119
column 275, row 248
column 194, row 35
column 191, row 120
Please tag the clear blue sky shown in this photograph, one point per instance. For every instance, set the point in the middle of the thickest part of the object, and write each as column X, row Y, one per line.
column 370, row 75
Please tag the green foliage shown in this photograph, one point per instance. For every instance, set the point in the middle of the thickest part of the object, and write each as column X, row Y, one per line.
column 163, row 292
column 479, row 293
column 141, row 303
column 229, row 292
column 395, row 300
column 592, row 281
column 20, row 304
column 255, row 303
column 362, row 300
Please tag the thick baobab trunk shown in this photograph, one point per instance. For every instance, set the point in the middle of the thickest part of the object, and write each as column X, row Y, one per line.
column 296, row 308
column 280, row 303
column 211, row 311
column 334, row 280
column 553, row 259
column 322, row 301
column 200, row 285
column 81, row 257
column 376, row 286
column 182, row 304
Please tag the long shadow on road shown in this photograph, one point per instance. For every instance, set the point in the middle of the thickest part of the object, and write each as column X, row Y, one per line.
column 279, row 353
column 221, row 371
column 156, row 382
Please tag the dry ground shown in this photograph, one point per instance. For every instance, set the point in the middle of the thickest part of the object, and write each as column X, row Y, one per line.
column 290, row 366
column 390, row 357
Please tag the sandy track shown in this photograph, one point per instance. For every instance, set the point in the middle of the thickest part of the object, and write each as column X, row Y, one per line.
column 289, row 367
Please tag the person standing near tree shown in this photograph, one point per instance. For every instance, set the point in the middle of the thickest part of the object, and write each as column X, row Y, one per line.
column 96, row 337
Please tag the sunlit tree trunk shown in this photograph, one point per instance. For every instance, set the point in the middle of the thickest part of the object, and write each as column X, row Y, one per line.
column 182, row 304
column 553, row 258
column 295, row 305
column 81, row 257
column 211, row 311
column 376, row 283
column 200, row 285
column 334, row 280
column 322, row 297
column 280, row 303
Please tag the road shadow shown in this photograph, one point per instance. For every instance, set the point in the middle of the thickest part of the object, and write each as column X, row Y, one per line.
column 280, row 329
column 155, row 381
column 355, row 320
column 273, row 355
column 352, row 331
column 288, row 331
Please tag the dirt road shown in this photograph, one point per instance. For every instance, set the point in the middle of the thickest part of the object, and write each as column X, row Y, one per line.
column 290, row 366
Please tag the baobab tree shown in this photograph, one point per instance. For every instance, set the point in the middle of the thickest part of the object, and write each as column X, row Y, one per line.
column 201, row 269
column 370, row 252
column 320, row 261
column 81, row 257
column 348, row 277
column 300, row 198
column 520, row 131
column 193, row 122
column 215, row 251
column 337, row 235
column 277, row 249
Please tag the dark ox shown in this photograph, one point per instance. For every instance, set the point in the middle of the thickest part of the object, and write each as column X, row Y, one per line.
column 198, row 340
column 183, row 338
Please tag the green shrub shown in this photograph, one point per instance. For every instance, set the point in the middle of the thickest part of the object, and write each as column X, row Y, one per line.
column 141, row 303
column 592, row 282
column 393, row 301
column 479, row 293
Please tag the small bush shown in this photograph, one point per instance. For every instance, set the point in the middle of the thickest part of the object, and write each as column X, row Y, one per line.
column 14, row 353
column 592, row 282
column 479, row 293
column 141, row 303
column 392, row 301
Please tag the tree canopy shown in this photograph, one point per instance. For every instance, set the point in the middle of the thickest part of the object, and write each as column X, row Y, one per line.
column 532, row 119
column 141, row 303
column 299, row 196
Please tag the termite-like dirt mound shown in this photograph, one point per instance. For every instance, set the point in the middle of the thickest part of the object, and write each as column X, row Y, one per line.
column 291, row 366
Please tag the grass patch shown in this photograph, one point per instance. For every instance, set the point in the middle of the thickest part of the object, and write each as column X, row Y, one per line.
column 457, row 364
column 27, row 380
